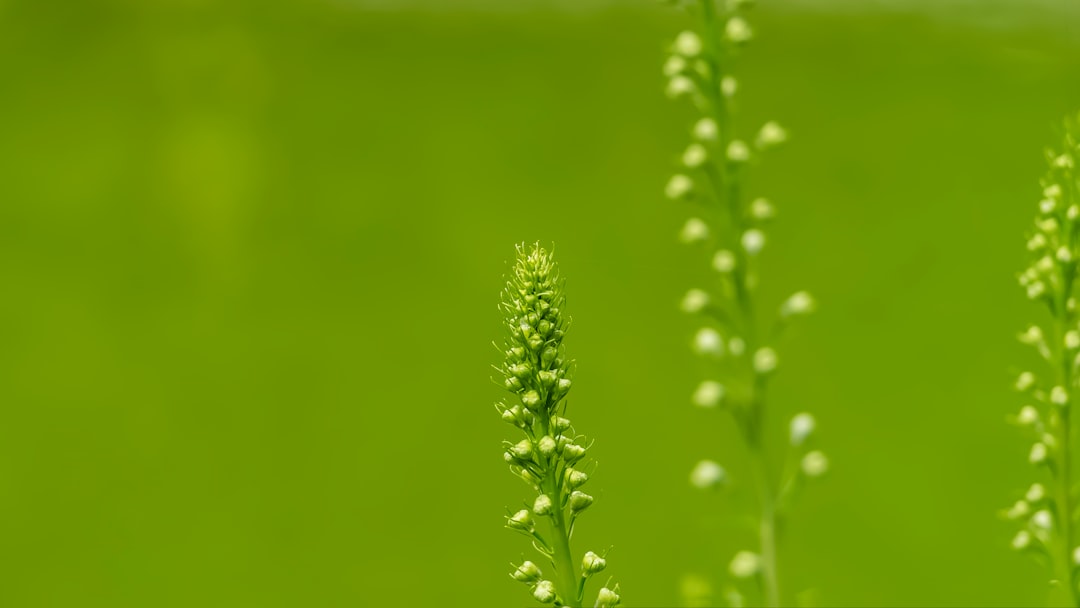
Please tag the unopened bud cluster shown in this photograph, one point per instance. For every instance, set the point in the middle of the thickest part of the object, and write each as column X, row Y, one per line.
column 549, row 456
column 733, row 338
column 1049, row 392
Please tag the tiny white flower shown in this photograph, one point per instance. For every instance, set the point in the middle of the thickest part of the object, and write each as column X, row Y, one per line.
column 1025, row 382
column 674, row 66
column 1036, row 290
column 1033, row 335
column 694, row 230
column 688, row 43
column 1028, row 415
column 695, row 156
column 738, row 152
column 724, row 261
column 679, row 187
column 753, row 241
column 761, row 209
column 707, row 474
column 708, row 342
column 1038, row 453
column 802, row 426
column 1035, row 493
column 765, row 361
column 1064, row 255
column 815, row 464
column 679, row 86
column 1072, row 339
column 737, row 30
column 1072, row 213
column 1019, row 510
column 1047, row 205
column 1064, row 161
column 745, row 564
column 694, row 301
column 706, row 129
column 1059, row 396
column 1022, row 540
column 1049, row 225
column 1042, row 519
column 708, row 394
column 592, row 564
column 1052, row 191
column 1037, row 242
column 800, row 303
column 771, row 134
column 728, row 86
column 607, row 598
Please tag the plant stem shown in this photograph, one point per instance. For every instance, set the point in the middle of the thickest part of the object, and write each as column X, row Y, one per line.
column 767, row 529
column 1063, row 428
column 567, row 582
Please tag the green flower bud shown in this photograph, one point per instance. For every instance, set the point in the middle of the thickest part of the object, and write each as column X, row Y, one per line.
column 513, row 384
column 575, row 478
column 607, row 598
column 592, row 564
column 527, row 572
column 544, row 592
column 563, row 386
column 542, row 505
column 520, row 370
column 531, row 399
column 522, row 449
column 573, row 452
column 561, row 425
column 548, row 378
column 546, row 446
column 579, row 501
column 522, row 520
column 549, row 355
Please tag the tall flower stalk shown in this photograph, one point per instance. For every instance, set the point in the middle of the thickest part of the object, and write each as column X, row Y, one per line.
column 1047, row 511
column 736, row 338
column 550, row 457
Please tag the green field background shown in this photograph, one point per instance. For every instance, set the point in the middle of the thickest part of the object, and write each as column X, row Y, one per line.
column 251, row 252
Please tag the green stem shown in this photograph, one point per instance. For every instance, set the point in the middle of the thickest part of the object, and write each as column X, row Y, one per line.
column 567, row 582
column 1064, row 501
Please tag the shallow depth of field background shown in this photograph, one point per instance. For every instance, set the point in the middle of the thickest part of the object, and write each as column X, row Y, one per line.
column 250, row 254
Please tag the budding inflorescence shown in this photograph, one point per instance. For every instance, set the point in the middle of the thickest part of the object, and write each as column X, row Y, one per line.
column 550, row 458
column 1047, row 510
column 732, row 337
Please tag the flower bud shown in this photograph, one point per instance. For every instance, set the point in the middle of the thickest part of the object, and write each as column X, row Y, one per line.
column 753, row 241
column 695, row 230
column 548, row 378
column 1025, row 382
column 679, row 187
column 728, row 86
column 680, row 86
column 694, row 301
column 695, row 156
column 592, row 564
column 542, row 505
column 1038, row 453
column 1021, row 541
column 688, row 44
column 1059, row 396
column 573, row 452
column 575, row 478
column 815, row 464
column 707, row 474
column 546, row 446
column 770, row 135
column 802, row 426
column 765, row 361
column 800, row 303
column 522, row 449
column 1036, row 493
column 544, row 592
column 674, row 66
column 762, row 210
column 706, row 130
column 723, row 261
column 708, row 342
column 737, row 30
column 708, row 394
column 522, row 520
column 563, row 386
column 560, row 424
column 579, row 501
column 520, row 370
column 1020, row 509
column 527, row 572
column 531, row 399
column 1042, row 519
column 745, row 564
column 512, row 415
column 1028, row 415
column 738, row 152
column 607, row 598
column 513, row 384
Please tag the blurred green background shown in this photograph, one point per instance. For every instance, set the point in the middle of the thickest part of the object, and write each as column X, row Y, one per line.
column 251, row 251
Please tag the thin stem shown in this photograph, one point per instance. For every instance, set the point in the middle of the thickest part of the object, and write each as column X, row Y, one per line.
column 1063, row 428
